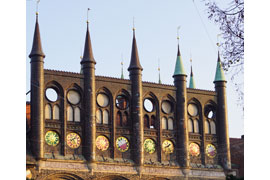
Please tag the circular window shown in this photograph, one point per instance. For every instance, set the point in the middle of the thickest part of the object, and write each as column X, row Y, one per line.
column 51, row 94
column 148, row 105
column 73, row 97
column 210, row 111
column 192, row 110
column 166, row 107
column 121, row 102
column 102, row 100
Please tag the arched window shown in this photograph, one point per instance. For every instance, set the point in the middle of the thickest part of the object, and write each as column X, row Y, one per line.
column 99, row 116
column 196, row 126
column 152, row 124
column 170, row 124
column 164, row 123
column 125, row 119
column 69, row 113
column 48, row 112
column 56, row 112
column 105, row 117
column 146, row 121
column 213, row 127
column 77, row 115
column 207, row 127
column 118, row 119
column 190, row 125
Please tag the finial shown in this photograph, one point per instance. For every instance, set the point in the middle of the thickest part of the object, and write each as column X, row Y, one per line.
column 37, row 7
column 218, row 44
column 178, row 28
column 133, row 28
column 81, row 54
column 88, row 9
column 122, row 73
column 159, row 80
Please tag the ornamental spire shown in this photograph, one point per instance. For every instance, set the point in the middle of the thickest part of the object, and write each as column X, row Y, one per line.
column 134, row 62
column 191, row 81
column 36, row 47
column 179, row 67
column 88, row 53
column 219, row 71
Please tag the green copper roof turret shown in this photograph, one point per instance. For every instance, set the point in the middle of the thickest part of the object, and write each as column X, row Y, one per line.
column 179, row 67
column 191, row 81
column 219, row 71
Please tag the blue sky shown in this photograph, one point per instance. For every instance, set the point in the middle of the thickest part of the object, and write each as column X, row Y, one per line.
column 63, row 27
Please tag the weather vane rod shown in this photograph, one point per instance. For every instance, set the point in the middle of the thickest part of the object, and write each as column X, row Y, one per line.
column 178, row 28
column 37, row 7
column 218, row 44
column 88, row 9
column 133, row 24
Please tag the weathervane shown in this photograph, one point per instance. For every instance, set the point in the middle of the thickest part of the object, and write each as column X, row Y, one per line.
column 218, row 44
column 178, row 28
column 133, row 24
column 122, row 73
column 159, row 80
column 88, row 9
column 37, row 7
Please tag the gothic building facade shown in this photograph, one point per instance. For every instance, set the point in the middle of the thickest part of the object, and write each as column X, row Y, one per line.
column 99, row 127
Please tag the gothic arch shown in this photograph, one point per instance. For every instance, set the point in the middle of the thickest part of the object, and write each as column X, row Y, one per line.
column 56, row 86
column 75, row 86
column 63, row 176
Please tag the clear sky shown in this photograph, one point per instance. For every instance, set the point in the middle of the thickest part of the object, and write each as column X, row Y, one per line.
column 63, row 27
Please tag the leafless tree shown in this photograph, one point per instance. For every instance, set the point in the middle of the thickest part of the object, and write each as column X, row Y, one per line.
column 231, row 24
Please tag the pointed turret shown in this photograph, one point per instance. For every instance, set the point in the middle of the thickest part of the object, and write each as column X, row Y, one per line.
column 222, row 117
column 88, row 70
column 179, row 67
column 36, row 47
column 191, row 80
column 180, row 83
column 219, row 71
column 37, row 95
column 135, row 76
column 88, row 53
column 134, row 62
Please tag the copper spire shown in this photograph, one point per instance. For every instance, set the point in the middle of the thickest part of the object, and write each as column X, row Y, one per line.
column 36, row 47
column 134, row 62
column 88, row 53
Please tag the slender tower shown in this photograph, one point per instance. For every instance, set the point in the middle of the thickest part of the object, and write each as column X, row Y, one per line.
column 37, row 95
column 88, row 70
column 181, row 110
column 135, row 75
column 191, row 80
column 222, row 117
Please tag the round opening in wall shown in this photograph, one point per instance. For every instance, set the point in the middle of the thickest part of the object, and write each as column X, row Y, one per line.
column 148, row 105
column 51, row 94
column 166, row 107
column 121, row 102
column 102, row 100
column 192, row 109
column 73, row 97
column 210, row 111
